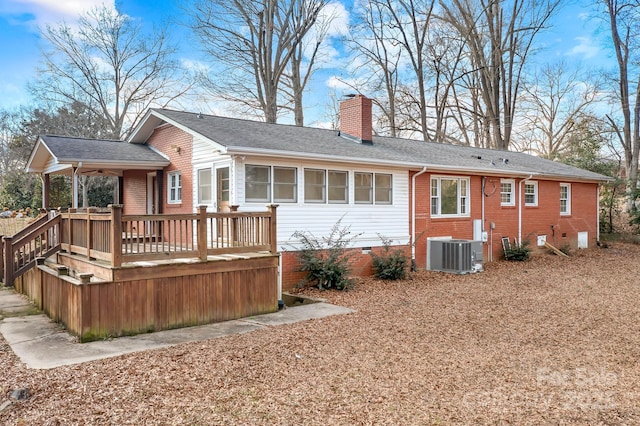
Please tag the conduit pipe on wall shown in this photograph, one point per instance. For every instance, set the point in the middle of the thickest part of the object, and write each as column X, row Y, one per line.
column 520, row 197
column 490, row 248
column 413, row 217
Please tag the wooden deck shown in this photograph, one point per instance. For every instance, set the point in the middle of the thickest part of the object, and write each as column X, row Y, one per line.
column 109, row 276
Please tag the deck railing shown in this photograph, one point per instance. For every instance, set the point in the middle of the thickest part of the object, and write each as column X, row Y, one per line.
column 40, row 238
column 119, row 238
column 116, row 238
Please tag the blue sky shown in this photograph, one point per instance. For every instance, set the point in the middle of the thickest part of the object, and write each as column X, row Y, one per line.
column 573, row 37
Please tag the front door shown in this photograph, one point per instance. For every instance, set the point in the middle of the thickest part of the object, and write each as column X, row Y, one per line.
column 152, row 193
column 222, row 192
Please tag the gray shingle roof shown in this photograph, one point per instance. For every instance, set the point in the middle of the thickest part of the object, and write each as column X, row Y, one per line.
column 66, row 148
column 244, row 135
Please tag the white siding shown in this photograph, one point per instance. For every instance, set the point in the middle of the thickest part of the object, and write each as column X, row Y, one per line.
column 206, row 155
column 204, row 150
column 390, row 221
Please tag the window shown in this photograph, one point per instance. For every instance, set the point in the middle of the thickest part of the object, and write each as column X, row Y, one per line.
column 204, row 186
column 285, row 188
column 326, row 185
column 506, row 192
column 531, row 193
column 257, row 183
column 222, row 175
column 174, row 187
column 314, row 186
column 338, row 188
column 565, row 199
column 363, row 188
column 383, row 188
column 263, row 181
column 370, row 187
column 449, row 196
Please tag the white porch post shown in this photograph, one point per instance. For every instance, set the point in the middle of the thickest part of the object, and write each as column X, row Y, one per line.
column 74, row 188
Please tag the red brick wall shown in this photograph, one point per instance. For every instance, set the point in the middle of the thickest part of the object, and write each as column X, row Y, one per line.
column 176, row 144
column 535, row 220
column 135, row 192
column 360, row 264
column 355, row 117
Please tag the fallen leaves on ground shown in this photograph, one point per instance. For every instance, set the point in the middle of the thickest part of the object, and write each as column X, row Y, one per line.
column 549, row 341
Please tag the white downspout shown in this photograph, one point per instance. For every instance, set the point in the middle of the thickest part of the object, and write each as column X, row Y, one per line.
column 520, row 197
column 413, row 216
column 598, row 214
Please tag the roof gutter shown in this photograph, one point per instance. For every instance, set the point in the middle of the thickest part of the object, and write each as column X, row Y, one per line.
column 324, row 157
column 413, row 217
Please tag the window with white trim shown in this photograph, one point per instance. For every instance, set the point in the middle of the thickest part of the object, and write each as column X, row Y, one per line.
column 449, row 196
column 174, row 187
column 314, row 186
column 507, row 193
column 204, row 186
column 266, row 183
column 531, row 193
column 257, row 183
column 285, row 184
column 565, row 198
column 338, row 187
column 363, row 187
column 373, row 188
column 383, row 188
column 322, row 186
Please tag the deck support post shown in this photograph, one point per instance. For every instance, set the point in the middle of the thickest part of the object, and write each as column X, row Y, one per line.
column 88, row 232
column 202, row 232
column 234, row 233
column 116, row 234
column 273, row 228
column 8, row 261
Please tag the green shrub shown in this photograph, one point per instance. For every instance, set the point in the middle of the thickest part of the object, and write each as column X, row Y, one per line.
column 518, row 252
column 390, row 264
column 326, row 259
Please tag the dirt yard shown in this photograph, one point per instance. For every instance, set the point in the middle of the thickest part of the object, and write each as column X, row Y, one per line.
column 549, row 341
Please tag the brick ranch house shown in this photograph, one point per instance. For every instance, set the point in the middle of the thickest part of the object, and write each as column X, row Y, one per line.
column 407, row 191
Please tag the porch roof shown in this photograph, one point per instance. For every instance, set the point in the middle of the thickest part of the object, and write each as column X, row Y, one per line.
column 61, row 154
column 245, row 137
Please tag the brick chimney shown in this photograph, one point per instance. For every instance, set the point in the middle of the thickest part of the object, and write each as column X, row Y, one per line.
column 355, row 119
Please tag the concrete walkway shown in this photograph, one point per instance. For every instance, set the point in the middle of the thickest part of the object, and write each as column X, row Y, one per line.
column 40, row 343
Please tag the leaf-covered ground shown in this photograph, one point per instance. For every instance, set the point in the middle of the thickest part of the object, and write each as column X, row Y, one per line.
column 549, row 341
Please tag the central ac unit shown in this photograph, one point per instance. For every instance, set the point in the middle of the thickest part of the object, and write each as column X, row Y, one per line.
column 456, row 256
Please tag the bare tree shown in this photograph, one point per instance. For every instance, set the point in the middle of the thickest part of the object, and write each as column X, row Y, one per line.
column 499, row 39
column 253, row 43
column 304, row 63
column 410, row 20
column 11, row 158
column 623, row 19
column 108, row 64
column 378, row 57
column 555, row 101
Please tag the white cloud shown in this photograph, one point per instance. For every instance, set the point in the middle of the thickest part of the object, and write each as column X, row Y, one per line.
column 195, row 65
column 34, row 13
column 585, row 47
column 338, row 18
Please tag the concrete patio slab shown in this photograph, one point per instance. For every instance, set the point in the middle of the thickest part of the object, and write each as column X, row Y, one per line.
column 41, row 344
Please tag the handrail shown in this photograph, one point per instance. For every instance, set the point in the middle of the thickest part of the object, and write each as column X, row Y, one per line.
column 20, row 251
